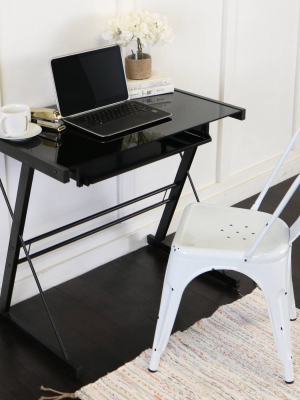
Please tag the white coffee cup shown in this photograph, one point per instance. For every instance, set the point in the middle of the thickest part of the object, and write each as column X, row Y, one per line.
column 14, row 120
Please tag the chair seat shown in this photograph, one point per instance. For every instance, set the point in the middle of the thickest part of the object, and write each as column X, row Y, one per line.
column 227, row 231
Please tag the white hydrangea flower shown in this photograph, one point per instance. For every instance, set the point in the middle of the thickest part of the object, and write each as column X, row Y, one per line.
column 139, row 28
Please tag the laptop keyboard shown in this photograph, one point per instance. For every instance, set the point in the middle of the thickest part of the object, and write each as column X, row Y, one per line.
column 109, row 114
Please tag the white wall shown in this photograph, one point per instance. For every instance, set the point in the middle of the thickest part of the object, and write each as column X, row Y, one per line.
column 242, row 52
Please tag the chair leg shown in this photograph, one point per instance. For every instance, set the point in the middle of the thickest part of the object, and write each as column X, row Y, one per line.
column 174, row 286
column 293, row 313
column 278, row 307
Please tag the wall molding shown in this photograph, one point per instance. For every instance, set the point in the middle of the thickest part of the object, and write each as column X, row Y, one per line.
column 296, row 113
column 235, row 189
column 227, row 62
column 5, row 216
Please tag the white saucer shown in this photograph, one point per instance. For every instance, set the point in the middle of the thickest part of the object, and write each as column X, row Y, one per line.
column 33, row 130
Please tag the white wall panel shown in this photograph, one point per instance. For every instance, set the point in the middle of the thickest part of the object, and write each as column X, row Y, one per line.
column 296, row 116
column 32, row 32
column 263, row 71
column 193, row 61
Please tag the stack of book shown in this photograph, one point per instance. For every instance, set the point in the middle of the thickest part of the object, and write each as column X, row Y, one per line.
column 157, row 84
column 49, row 119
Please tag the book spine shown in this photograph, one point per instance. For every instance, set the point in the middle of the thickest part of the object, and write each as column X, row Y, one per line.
column 149, row 84
column 134, row 94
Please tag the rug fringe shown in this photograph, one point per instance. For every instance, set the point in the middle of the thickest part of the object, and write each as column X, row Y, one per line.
column 61, row 395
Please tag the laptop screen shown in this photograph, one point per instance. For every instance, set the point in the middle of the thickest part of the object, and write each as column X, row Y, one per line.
column 85, row 81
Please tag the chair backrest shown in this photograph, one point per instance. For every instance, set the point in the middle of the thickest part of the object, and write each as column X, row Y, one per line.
column 295, row 228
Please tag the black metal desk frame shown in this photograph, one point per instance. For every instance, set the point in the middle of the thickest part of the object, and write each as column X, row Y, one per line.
column 63, row 174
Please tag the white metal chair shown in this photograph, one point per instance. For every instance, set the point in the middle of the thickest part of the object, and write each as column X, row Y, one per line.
column 254, row 243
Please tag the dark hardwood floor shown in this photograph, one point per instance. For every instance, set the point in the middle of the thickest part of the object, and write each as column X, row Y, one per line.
column 107, row 317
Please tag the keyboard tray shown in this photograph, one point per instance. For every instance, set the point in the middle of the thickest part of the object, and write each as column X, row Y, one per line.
column 118, row 162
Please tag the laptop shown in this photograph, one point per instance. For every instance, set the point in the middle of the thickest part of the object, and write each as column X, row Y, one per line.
column 91, row 93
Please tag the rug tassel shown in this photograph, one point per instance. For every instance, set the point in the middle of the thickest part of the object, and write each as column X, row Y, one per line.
column 61, row 395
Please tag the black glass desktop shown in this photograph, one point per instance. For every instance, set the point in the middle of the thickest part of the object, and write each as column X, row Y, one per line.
column 88, row 159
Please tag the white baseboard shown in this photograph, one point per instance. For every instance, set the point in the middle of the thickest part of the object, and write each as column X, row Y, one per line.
column 235, row 189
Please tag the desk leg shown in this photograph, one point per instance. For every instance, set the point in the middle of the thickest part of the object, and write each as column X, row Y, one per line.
column 157, row 241
column 175, row 193
column 14, row 245
column 13, row 253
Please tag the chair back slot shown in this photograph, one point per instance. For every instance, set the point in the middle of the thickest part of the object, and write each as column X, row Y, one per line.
column 273, row 218
column 294, row 230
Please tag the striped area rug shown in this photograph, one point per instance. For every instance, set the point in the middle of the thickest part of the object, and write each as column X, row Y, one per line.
column 230, row 355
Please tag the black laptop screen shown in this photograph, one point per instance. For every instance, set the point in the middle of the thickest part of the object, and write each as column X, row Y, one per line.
column 89, row 80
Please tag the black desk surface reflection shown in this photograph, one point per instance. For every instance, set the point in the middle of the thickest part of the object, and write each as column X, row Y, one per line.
column 89, row 159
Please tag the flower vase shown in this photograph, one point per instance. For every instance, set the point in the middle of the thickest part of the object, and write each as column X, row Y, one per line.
column 138, row 69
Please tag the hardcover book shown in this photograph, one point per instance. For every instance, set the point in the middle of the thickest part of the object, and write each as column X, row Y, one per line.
column 154, row 91
column 156, row 79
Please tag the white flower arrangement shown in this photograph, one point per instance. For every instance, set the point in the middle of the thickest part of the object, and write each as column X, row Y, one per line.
column 139, row 29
